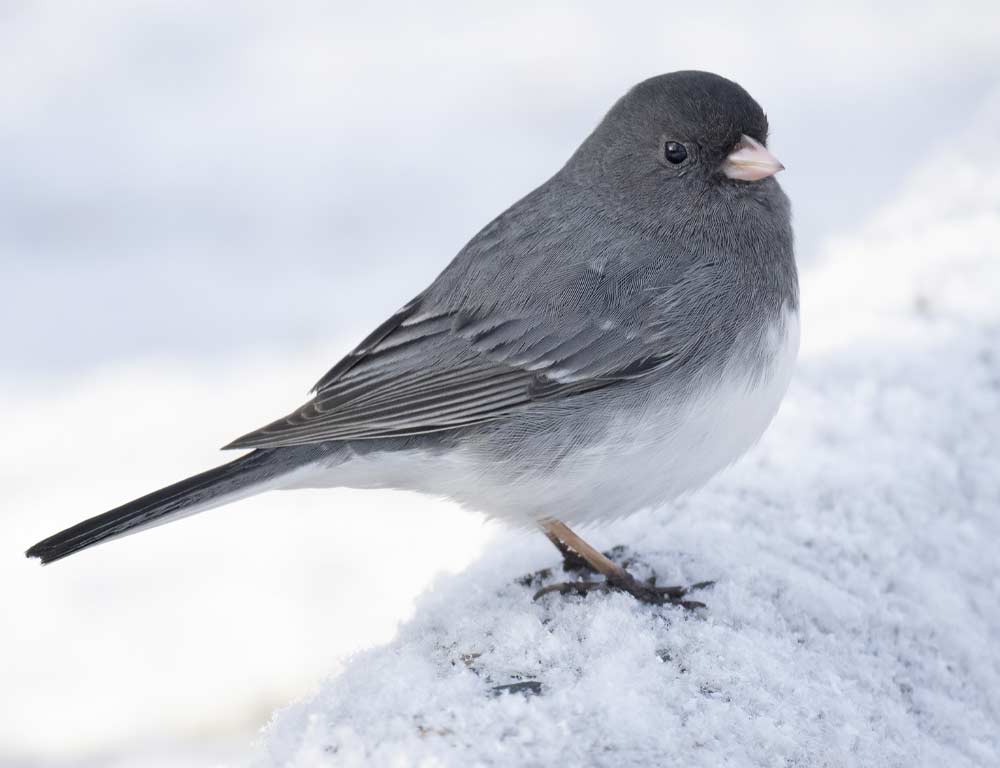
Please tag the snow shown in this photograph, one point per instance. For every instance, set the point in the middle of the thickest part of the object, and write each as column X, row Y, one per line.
column 856, row 610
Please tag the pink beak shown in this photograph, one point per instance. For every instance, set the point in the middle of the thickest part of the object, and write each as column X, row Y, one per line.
column 751, row 161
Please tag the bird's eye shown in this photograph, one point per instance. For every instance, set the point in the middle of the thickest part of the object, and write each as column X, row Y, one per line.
column 675, row 152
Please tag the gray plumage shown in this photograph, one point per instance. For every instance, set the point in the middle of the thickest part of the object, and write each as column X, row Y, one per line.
column 625, row 285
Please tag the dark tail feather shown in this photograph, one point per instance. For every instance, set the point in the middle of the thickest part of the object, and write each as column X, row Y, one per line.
column 187, row 497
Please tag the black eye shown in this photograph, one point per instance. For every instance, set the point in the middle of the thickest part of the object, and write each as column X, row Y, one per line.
column 675, row 152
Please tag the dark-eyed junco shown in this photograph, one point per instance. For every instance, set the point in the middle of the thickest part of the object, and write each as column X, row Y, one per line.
column 605, row 344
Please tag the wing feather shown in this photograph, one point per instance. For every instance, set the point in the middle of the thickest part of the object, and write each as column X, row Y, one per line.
column 426, row 371
column 553, row 298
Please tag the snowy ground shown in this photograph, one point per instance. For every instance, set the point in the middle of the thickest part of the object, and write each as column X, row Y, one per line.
column 856, row 615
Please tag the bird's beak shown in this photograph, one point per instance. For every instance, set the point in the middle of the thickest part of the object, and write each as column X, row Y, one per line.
column 751, row 161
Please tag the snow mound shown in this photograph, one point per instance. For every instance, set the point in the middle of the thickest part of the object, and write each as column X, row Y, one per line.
column 856, row 613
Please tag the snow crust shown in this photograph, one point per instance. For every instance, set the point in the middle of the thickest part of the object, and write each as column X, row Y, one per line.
column 855, row 618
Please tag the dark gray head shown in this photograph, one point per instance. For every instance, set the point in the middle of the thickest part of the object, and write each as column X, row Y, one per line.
column 678, row 136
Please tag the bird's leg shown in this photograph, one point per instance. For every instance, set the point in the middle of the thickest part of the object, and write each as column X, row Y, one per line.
column 571, row 560
column 615, row 577
column 570, row 544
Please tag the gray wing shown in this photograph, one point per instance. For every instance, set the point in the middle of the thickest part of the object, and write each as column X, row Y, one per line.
column 429, row 369
column 547, row 301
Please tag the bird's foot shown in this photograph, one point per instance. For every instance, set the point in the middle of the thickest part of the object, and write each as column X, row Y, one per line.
column 574, row 564
column 644, row 592
column 619, row 561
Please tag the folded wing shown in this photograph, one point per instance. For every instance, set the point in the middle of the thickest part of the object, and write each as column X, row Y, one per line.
column 428, row 370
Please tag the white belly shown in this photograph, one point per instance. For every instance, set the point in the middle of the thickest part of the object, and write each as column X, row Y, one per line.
column 649, row 455
column 665, row 451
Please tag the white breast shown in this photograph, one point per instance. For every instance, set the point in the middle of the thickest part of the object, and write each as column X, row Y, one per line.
column 666, row 450
column 722, row 424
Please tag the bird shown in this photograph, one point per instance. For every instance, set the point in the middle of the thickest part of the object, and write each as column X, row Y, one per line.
column 606, row 344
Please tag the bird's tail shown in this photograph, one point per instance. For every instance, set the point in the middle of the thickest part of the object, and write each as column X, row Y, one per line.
column 246, row 476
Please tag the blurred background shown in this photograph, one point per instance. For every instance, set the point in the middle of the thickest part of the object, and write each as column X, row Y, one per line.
column 204, row 205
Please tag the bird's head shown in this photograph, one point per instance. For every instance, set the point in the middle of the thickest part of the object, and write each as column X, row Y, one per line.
column 678, row 135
